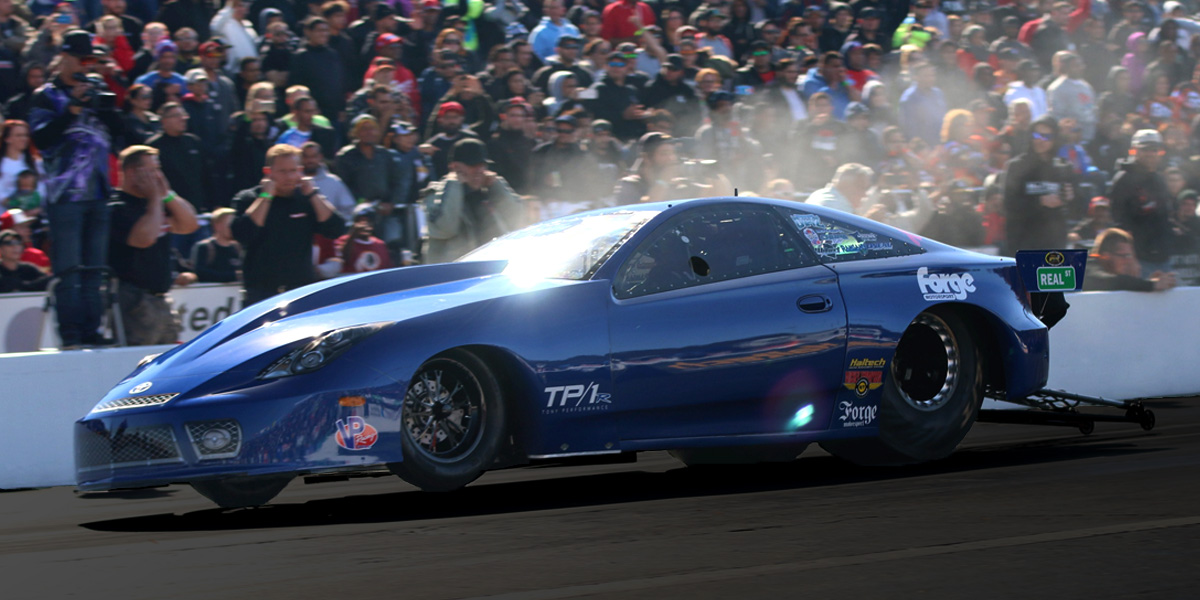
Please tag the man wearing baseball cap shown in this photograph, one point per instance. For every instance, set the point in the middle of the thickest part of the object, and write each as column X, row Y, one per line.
column 1141, row 202
column 450, row 130
column 75, row 140
column 470, row 206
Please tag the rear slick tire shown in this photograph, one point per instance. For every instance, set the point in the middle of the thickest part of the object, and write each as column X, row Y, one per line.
column 931, row 399
column 453, row 423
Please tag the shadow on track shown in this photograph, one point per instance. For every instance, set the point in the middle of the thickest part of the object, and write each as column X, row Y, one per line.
column 610, row 488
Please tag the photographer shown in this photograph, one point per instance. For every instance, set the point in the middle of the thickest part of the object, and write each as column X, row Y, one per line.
column 73, row 124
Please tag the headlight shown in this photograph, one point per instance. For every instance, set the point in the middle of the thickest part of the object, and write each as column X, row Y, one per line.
column 146, row 359
column 320, row 351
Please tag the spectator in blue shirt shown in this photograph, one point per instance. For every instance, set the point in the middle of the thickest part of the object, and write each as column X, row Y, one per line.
column 923, row 106
column 830, row 78
column 545, row 36
column 166, row 56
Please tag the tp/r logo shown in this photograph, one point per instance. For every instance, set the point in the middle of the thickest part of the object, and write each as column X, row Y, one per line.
column 951, row 286
column 576, row 398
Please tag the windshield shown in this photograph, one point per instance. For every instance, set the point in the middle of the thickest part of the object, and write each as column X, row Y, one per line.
column 564, row 248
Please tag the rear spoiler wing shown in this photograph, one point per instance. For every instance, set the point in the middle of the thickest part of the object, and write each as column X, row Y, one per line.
column 1052, row 270
column 1047, row 275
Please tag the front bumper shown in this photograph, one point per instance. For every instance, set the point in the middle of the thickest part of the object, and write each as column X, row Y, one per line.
column 273, row 434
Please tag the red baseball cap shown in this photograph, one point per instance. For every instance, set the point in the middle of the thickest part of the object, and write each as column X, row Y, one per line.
column 387, row 39
column 449, row 106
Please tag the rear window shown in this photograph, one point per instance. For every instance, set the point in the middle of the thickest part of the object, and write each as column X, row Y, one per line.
column 836, row 241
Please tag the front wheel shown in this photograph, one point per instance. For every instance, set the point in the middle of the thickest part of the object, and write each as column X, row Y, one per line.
column 452, row 423
column 930, row 400
column 242, row 492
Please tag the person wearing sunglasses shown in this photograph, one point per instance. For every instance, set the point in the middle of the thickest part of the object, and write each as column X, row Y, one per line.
column 616, row 101
column 1142, row 204
column 561, row 168
column 565, row 58
column 758, row 73
column 1038, row 192
column 17, row 276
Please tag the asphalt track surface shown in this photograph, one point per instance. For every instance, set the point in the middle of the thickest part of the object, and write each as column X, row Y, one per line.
column 1017, row 512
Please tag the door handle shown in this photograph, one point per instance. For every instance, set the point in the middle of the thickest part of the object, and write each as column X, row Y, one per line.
column 815, row 303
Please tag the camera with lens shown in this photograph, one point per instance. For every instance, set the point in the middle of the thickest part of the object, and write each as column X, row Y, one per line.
column 95, row 95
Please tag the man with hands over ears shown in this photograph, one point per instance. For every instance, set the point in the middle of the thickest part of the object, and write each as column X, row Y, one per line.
column 276, row 222
column 144, row 210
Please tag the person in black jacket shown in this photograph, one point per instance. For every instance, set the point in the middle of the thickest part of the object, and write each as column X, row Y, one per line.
column 1037, row 190
column 371, row 171
column 758, row 74
column 275, row 224
column 219, row 258
column 1051, row 35
column 17, row 276
column 1141, row 202
column 511, row 148
column 182, row 155
column 615, row 101
column 669, row 91
column 320, row 68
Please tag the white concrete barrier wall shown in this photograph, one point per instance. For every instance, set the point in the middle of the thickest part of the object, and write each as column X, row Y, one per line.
column 44, row 393
column 1118, row 345
column 24, row 327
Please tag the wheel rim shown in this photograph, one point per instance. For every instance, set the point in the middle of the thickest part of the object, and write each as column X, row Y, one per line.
column 926, row 367
column 443, row 411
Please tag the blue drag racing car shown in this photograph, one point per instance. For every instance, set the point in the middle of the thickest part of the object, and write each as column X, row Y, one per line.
column 723, row 330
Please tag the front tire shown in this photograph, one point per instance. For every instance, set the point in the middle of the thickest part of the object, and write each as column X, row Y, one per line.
column 930, row 400
column 452, row 424
column 242, row 492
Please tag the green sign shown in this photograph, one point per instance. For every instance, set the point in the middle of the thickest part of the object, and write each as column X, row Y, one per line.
column 1056, row 279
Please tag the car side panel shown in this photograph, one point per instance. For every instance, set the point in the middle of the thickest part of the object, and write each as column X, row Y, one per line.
column 883, row 296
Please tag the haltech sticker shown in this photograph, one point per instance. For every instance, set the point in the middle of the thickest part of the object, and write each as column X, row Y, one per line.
column 861, row 382
column 867, row 363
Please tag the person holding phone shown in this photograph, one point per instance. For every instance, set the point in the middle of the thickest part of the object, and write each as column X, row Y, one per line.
column 276, row 222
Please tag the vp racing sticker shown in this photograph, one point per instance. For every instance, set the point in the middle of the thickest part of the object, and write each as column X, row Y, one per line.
column 354, row 433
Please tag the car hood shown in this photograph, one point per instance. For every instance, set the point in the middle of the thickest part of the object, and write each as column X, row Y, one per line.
column 382, row 296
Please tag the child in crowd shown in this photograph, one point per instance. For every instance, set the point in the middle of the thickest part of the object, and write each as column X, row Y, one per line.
column 26, row 197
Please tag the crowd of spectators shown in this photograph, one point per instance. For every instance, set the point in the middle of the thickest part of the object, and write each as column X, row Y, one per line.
column 430, row 126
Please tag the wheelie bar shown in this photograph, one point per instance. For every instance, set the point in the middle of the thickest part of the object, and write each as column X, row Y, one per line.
column 1058, row 408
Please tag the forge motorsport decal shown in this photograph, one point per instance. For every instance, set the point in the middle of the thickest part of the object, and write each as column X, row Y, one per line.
column 354, row 433
column 862, row 380
column 850, row 414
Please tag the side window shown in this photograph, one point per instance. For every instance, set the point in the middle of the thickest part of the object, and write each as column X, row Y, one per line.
column 835, row 241
column 710, row 244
